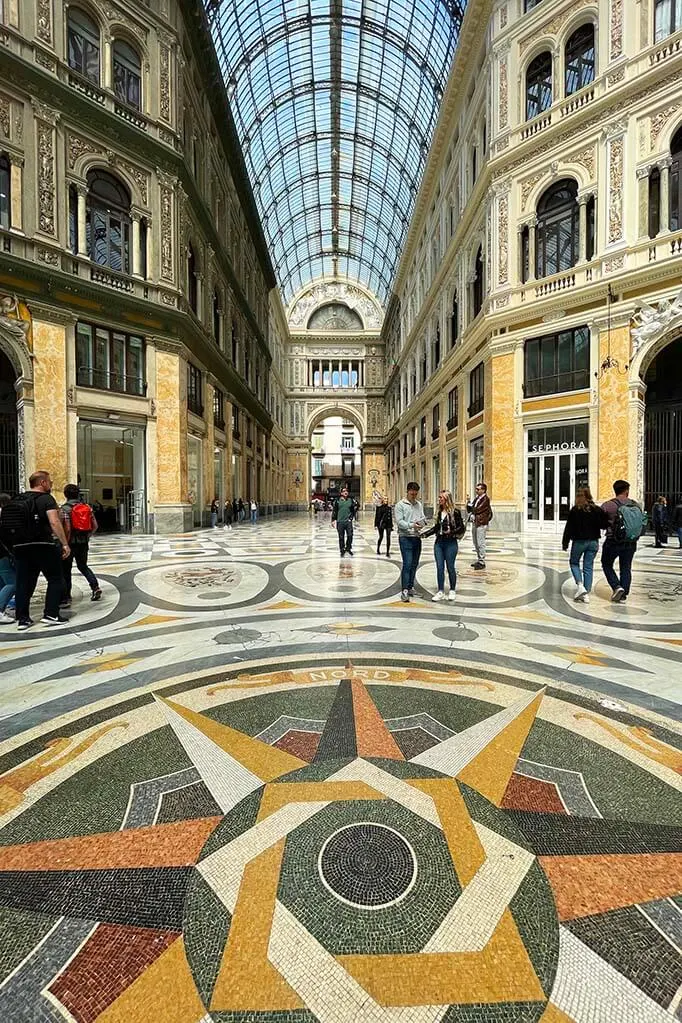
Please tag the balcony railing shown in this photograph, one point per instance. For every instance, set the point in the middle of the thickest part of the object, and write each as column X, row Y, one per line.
column 577, row 101
column 88, row 88
column 86, row 376
column 451, row 423
column 475, row 407
column 671, row 46
column 111, row 278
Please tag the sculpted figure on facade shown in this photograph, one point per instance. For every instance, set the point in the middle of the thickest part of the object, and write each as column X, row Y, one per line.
column 649, row 322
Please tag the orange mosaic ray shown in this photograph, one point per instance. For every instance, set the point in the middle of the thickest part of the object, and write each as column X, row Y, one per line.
column 372, row 737
column 490, row 772
column 247, row 980
column 166, row 991
column 161, row 845
column 585, row 885
column 554, row 1015
column 500, row 972
column 266, row 762
column 279, row 794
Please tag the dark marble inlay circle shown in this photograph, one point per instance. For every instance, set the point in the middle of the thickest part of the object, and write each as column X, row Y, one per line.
column 367, row 865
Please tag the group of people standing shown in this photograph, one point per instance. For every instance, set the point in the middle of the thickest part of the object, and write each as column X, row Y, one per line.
column 233, row 511
column 37, row 536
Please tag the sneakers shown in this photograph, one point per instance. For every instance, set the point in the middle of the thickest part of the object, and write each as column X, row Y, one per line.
column 6, row 619
column 26, row 624
column 55, row 622
column 388, row 554
column 410, row 592
column 479, row 565
column 580, row 592
column 405, row 596
column 96, row 594
column 437, row 597
column 66, row 602
column 585, row 598
column 350, row 553
column 617, row 595
column 451, row 595
column 475, row 564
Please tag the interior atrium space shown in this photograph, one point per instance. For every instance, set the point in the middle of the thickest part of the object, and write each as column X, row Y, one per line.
column 340, row 511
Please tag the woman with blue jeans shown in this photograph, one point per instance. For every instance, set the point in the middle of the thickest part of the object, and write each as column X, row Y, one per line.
column 583, row 529
column 448, row 526
column 8, row 575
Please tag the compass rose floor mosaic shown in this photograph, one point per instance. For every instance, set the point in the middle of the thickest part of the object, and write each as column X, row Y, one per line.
column 251, row 785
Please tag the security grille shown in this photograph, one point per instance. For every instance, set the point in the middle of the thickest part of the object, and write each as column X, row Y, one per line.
column 663, row 453
column 9, row 461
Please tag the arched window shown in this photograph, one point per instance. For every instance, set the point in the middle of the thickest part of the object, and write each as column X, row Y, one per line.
column 477, row 285
column 192, row 282
column 667, row 18
column 127, row 74
column 676, row 179
column 454, row 320
column 539, row 85
column 83, row 44
column 579, row 58
column 5, row 191
column 216, row 318
column 108, row 221
column 557, row 230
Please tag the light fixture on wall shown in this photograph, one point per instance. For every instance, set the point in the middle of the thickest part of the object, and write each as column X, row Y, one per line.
column 610, row 362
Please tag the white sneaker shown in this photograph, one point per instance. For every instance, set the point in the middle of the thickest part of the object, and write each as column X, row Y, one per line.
column 405, row 597
column 451, row 595
column 579, row 593
column 585, row 598
column 5, row 619
column 438, row 596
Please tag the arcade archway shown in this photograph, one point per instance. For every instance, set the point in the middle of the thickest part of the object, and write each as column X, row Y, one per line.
column 9, row 429
column 663, row 425
column 335, row 456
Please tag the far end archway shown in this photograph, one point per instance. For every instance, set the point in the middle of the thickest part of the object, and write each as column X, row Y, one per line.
column 335, row 457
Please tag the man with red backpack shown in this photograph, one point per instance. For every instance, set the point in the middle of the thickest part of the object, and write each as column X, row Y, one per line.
column 79, row 525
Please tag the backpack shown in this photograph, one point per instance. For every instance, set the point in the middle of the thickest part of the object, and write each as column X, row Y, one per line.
column 20, row 522
column 630, row 523
column 81, row 518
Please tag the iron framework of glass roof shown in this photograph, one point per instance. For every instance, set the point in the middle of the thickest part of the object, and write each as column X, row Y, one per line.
column 335, row 102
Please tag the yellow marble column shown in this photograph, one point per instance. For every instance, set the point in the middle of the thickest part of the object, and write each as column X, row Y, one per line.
column 209, row 447
column 614, row 453
column 172, row 510
column 298, row 475
column 499, row 432
column 374, row 467
column 49, row 369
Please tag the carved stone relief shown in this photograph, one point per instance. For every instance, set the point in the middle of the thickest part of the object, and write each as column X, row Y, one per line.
column 44, row 20
column 5, row 117
column 330, row 291
column 554, row 26
column 164, row 83
column 79, row 146
column 616, row 149
column 504, row 92
column 503, row 238
column 166, row 220
column 616, row 31
column 46, row 180
column 528, row 185
column 659, row 121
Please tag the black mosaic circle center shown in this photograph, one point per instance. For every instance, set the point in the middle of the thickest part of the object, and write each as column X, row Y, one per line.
column 367, row 865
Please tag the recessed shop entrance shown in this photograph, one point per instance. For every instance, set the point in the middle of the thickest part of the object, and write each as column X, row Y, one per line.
column 111, row 471
column 556, row 465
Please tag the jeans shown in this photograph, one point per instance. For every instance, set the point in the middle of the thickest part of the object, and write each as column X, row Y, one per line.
column 388, row 539
column 32, row 559
column 625, row 552
column 410, row 552
column 479, row 533
column 214, row 520
column 445, row 552
column 679, row 535
column 254, row 516
column 587, row 550
column 660, row 534
column 345, row 531
column 8, row 581
column 79, row 554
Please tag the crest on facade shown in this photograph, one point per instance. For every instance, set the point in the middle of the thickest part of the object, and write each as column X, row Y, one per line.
column 335, row 294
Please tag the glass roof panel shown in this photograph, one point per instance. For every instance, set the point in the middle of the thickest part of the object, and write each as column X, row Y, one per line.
column 335, row 102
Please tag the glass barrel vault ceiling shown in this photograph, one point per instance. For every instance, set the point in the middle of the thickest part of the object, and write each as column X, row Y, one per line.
column 335, row 103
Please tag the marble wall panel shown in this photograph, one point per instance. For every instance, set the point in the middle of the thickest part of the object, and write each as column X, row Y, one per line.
column 171, row 415
column 49, row 346
column 500, row 451
column 613, row 411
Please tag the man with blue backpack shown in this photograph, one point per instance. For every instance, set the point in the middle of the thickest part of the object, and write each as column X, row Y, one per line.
column 625, row 524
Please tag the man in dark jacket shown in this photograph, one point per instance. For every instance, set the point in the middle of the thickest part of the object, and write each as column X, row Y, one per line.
column 480, row 514
column 383, row 522
column 661, row 521
column 343, row 514
column 676, row 521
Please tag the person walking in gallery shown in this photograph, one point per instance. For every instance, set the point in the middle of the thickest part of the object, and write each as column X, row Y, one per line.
column 410, row 520
column 661, row 521
column 241, row 509
column 625, row 524
column 31, row 527
column 383, row 522
column 582, row 530
column 235, row 510
column 676, row 521
column 79, row 525
column 215, row 507
column 254, row 512
column 448, row 528
column 343, row 513
column 480, row 514
column 227, row 515
column 8, row 574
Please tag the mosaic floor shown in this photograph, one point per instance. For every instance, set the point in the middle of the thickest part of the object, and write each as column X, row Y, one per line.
column 251, row 785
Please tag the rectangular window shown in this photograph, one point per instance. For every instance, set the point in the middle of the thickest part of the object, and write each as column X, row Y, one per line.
column 347, row 442
column 109, row 360
column 422, row 432
column 668, row 18
column 557, row 362
column 435, row 421
column 453, row 408
column 235, row 422
column 317, row 467
column 194, row 390
column 453, row 469
column 218, row 409
column 476, row 385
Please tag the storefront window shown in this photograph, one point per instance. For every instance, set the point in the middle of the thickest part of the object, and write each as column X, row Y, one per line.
column 109, row 360
column 557, row 362
column 557, row 464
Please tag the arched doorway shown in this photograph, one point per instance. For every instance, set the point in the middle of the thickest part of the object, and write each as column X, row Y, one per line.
column 335, row 458
column 9, row 440
column 663, row 425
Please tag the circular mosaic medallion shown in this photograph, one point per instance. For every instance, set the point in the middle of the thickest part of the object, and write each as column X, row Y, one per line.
column 367, row 865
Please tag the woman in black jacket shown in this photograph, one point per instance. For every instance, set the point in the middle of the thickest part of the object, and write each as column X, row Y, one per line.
column 449, row 527
column 583, row 528
column 383, row 521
